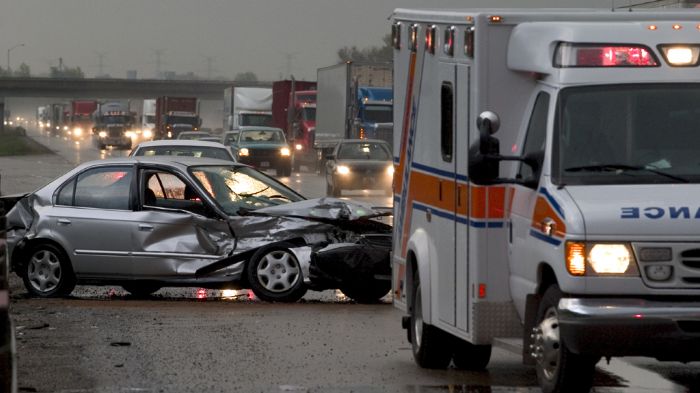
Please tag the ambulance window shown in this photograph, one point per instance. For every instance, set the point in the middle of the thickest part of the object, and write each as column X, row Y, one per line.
column 446, row 121
column 536, row 135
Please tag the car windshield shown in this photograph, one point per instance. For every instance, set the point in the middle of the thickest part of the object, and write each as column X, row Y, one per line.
column 116, row 119
column 379, row 113
column 624, row 134
column 257, row 136
column 184, row 151
column 236, row 188
column 308, row 114
column 363, row 151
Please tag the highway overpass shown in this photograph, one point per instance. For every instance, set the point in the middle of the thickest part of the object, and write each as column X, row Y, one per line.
column 117, row 88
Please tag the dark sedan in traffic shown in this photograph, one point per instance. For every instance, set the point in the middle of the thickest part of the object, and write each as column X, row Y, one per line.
column 359, row 164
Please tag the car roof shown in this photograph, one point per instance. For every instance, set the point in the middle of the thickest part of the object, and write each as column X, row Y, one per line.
column 180, row 142
column 181, row 162
column 362, row 141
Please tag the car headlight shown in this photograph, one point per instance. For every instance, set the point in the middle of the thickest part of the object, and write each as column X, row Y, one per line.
column 77, row 131
column 147, row 134
column 65, row 128
column 130, row 134
column 244, row 152
column 342, row 170
column 285, row 151
column 390, row 170
column 590, row 258
column 102, row 134
column 298, row 146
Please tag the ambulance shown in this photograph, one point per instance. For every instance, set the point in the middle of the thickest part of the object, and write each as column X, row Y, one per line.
column 547, row 187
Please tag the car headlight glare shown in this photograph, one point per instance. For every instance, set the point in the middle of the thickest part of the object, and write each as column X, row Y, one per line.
column 609, row 258
column 77, row 131
column 148, row 134
column 342, row 170
column 390, row 170
column 298, row 146
column 244, row 152
column 285, row 151
column 103, row 134
column 593, row 259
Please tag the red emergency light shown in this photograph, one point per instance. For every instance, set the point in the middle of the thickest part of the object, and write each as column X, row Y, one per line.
column 603, row 55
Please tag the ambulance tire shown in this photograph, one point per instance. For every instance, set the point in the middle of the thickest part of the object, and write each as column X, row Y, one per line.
column 468, row 356
column 430, row 345
column 558, row 369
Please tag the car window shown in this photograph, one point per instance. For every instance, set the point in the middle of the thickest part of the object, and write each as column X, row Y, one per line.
column 262, row 136
column 103, row 188
column 165, row 189
column 363, row 151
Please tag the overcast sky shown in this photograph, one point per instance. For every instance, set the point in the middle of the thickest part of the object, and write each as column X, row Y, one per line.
column 238, row 35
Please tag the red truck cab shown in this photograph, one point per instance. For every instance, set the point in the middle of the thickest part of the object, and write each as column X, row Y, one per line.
column 294, row 111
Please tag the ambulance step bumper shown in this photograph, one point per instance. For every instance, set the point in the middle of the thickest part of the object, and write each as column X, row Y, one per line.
column 631, row 327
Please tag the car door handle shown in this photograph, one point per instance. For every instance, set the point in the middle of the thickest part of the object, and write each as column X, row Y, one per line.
column 64, row 221
column 145, row 227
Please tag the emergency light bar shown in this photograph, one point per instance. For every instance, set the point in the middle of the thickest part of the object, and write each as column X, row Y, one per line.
column 603, row 55
column 680, row 55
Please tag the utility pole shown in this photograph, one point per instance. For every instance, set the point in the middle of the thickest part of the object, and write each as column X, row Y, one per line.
column 100, row 63
column 288, row 62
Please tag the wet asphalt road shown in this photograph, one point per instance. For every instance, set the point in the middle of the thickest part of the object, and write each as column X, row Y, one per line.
column 190, row 340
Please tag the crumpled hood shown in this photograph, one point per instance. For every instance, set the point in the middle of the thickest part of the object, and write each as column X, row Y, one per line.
column 322, row 208
column 664, row 210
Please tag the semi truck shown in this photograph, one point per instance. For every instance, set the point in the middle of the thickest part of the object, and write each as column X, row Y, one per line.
column 148, row 119
column 294, row 111
column 355, row 101
column 175, row 115
column 81, row 118
column 545, row 179
column 115, row 124
column 247, row 106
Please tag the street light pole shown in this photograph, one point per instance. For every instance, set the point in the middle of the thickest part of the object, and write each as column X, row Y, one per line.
column 8, row 55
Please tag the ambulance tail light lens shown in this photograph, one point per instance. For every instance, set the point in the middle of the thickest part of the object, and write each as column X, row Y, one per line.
column 680, row 55
column 570, row 55
column 575, row 258
column 430, row 39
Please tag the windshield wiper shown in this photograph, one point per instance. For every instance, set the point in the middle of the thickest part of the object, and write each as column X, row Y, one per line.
column 245, row 195
column 624, row 168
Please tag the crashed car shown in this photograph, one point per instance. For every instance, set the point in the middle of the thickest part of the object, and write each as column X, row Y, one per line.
column 149, row 222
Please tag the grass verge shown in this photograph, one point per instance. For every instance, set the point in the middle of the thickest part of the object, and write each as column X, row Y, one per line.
column 13, row 142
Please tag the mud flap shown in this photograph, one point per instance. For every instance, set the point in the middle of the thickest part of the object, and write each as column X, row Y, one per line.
column 532, row 303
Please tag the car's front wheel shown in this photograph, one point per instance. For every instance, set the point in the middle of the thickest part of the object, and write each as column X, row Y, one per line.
column 275, row 275
column 48, row 272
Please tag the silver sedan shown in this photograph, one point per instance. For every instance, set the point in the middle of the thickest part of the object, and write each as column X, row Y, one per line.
column 150, row 222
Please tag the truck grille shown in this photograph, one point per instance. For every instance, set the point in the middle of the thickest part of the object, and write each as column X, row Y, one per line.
column 385, row 133
column 684, row 260
column 263, row 153
column 115, row 131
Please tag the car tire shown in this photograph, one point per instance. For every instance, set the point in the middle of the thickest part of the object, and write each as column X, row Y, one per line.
column 558, row 369
column 431, row 346
column 141, row 289
column 368, row 292
column 285, row 170
column 467, row 356
column 275, row 275
column 47, row 272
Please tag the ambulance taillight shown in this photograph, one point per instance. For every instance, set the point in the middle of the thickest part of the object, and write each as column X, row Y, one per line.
column 603, row 55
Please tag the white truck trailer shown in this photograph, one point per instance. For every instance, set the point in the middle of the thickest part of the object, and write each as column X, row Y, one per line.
column 247, row 106
column 576, row 227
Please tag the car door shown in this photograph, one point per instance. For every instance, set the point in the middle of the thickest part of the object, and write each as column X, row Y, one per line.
column 177, row 233
column 92, row 217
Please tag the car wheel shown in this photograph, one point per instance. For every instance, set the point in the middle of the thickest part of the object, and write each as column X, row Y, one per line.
column 430, row 345
column 367, row 292
column 468, row 356
column 275, row 275
column 141, row 289
column 558, row 369
column 48, row 272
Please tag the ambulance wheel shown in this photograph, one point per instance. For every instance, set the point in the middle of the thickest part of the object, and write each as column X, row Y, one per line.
column 468, row 356
column 275, row 275
column 430, row 345
column 558, row 369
